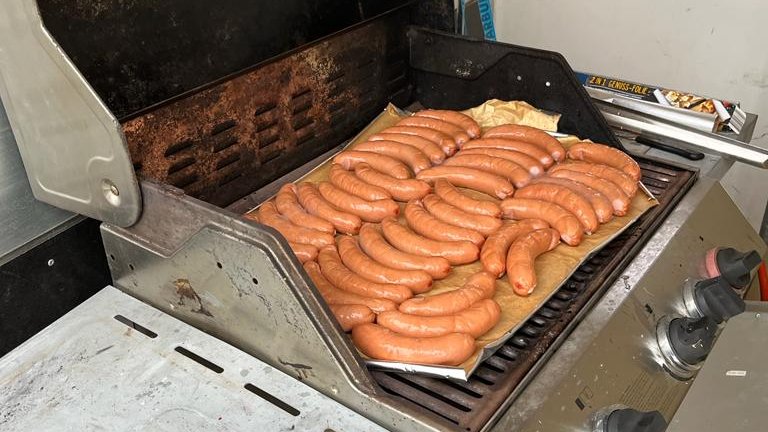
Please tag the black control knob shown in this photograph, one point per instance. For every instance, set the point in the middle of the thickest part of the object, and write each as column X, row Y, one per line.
column 734, row 266
column 691, row 339
column 630, row 420
column 716, row 298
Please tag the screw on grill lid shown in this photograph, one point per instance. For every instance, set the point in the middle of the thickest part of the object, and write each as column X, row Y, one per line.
column 736, row 266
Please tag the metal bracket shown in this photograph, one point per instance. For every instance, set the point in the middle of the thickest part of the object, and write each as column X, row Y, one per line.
column 72, row 146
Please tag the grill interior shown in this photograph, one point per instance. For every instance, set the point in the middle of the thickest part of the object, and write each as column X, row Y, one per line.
column 470, row 405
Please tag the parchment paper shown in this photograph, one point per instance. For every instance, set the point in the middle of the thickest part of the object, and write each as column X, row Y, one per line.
column 552, row 268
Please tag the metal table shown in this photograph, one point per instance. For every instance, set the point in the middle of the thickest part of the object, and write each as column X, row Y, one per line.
column 115, row 363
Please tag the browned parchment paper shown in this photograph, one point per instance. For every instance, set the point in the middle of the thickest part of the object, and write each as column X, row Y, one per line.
column 552, row 268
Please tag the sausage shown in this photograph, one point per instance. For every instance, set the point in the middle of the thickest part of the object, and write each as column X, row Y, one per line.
column 369, row 211
column 333, row 295
column 447, row 213
column 565, row 198
column 493, row 255
column 429, row 148
column 501, row 167
column 445, row 141
column 356, row 260
column 401, row 190
column 448, row 192
column 349, row 159
column 343, row 278
column 519, row 146
column 625, row 182
column 462, row 120
column 411, row 156
column 380, row 343
column 531, row 135
column 529, row 163
column 603, row 154
column 619, row 200
column 457, row 253
column 287, row 204
column 269, row 216
column 474, row 321
column 375, row 246
column 303, row 252
column 350, row 316
column 458, row 134
column 426, row 224
column 479, row 286
column 350, row 183
column 571, row 230
column 520, row 258
column 600, row 204
column 315, row 204
column 470, row 178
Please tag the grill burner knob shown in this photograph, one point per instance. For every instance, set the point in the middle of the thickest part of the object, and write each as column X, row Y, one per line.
column 734, row 266
column 630, row 420
column 685, row 343
column 714, row 298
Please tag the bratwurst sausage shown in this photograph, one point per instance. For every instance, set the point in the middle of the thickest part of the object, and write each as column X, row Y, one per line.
column 456, row 252
column 520, row 258
column 375, row 246
column 333, row 295
column 269, row 216
column 429, row 148
column 447, row 213
column 529, row 163
column 351, row 316
column 356, row 260
column 350, row 183
column 380, row 343
column 339, row 275
column 401, row 190
column 519, row 146
column 349, row 159
column 494, row 252
column 316, row 205
column 481, row 285
column 528, row 134
column 448, row 192
column 470, row 178
column 460, row 119
column 602, row 154
column 303, row 252
column 458, row 134
column 287, row 203
column 571, row 230
column 474, row 321
column 619, row 200
column 501, row 167
column 565, row 198
column 625, row 182
column 411, row 156
column 426, row 224
column 600, row 204
column 369, row 211
column 445, row 141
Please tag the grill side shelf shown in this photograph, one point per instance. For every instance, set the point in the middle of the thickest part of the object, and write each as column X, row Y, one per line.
column 471, row 405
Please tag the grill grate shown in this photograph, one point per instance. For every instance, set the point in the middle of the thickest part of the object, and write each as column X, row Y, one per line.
column 470, row 405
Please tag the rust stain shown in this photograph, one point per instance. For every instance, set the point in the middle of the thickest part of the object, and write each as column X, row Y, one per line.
column 185, row 292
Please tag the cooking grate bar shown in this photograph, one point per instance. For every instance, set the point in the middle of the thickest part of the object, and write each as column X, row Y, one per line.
column 470, row 405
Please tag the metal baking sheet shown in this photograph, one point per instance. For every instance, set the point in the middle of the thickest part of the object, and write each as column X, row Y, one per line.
column 552, row 269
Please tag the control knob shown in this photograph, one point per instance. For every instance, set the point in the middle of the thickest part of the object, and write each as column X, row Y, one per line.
column 734, row 266
column 622, row 419
column 685, row 342
column 714, row 298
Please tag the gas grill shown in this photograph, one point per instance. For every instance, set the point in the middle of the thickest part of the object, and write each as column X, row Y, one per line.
column 223, row 140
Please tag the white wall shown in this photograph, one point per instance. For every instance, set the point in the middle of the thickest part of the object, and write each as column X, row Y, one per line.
column 715, row 48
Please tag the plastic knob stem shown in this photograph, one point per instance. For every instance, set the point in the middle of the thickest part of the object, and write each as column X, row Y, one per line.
column 715, row 298
column 630, row 420
column 692, row 339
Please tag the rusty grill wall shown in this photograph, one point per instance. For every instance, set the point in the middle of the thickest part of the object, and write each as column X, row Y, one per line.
column 228, row 140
